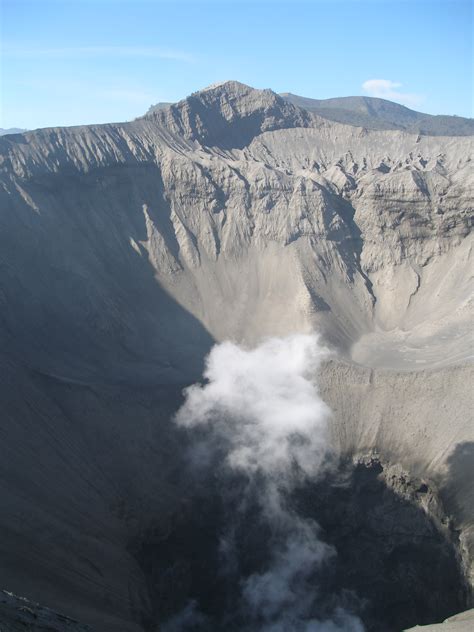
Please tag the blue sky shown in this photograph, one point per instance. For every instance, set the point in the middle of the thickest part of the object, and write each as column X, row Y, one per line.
column 67, row 62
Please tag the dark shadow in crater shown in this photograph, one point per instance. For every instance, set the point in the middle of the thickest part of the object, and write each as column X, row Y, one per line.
column 81, row 296
column 394, row 567
column 390, row 552
column 458, row 490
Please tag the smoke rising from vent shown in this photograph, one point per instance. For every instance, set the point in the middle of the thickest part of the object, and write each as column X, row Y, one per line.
column 260, row 419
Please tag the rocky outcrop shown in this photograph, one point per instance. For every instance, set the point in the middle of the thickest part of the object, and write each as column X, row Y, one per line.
column 229, row 115
column 462, row 622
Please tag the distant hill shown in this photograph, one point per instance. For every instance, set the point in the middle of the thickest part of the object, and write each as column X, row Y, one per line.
column 374, row 113
column 11, row 130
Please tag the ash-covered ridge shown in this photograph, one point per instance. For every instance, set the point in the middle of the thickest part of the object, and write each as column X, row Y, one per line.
column 229, row 115
column 128, row 249
column 375, row 113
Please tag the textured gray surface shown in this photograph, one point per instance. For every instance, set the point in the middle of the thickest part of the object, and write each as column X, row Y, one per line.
column 20, row 615
column 126, row 250
column 463, row 622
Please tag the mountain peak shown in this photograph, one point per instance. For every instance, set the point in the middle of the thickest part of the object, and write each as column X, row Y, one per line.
column 229, row 115
column 229, row 85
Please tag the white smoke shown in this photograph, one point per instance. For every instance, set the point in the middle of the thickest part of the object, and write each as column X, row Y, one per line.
column 262, row 401
column 262, row 410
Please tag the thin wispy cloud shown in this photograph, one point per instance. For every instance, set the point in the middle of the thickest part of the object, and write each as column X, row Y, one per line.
column 387, row 89
column 71, row 52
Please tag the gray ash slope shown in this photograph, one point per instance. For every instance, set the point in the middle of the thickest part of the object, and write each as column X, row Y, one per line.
column 128, row 249
column 17, row 614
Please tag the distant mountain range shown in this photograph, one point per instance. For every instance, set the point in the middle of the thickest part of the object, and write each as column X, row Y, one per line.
column 373, row 113
column 368, row 112
column 11, row 130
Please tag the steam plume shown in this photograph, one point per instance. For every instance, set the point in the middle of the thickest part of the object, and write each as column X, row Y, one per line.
column 261, row 412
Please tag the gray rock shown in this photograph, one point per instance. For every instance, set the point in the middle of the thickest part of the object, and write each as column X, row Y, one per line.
column 462, row 622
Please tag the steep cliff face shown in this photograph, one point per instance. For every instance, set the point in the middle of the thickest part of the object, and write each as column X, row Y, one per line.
column 229, row 115
column 128, row 249
column 233, row 176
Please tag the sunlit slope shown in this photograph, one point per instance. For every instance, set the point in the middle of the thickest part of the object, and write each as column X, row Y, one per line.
column 256, row 217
